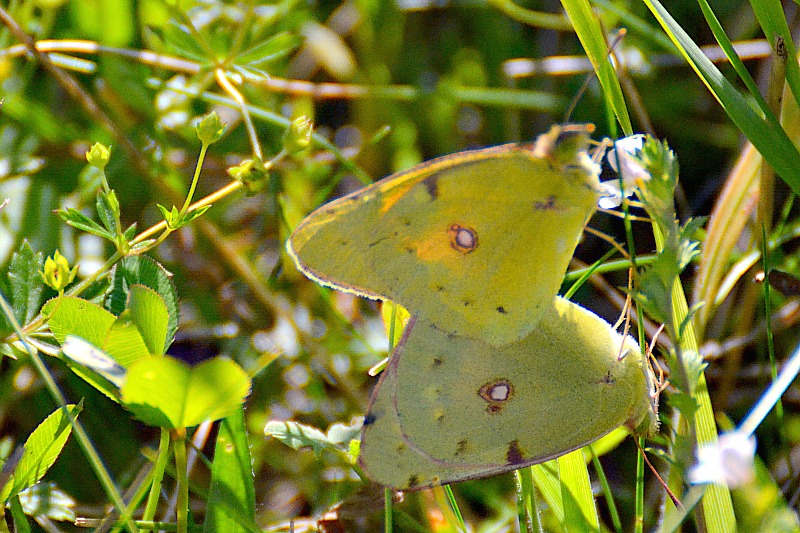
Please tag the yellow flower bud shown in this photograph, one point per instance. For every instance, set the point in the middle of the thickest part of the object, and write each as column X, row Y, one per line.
column 57, row 274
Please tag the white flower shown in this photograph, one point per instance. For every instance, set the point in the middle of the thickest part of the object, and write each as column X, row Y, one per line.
column 729, row 461
column 622, row 160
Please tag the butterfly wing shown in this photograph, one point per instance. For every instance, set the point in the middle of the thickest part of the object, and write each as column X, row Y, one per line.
column 460, row 408
column 476, row 242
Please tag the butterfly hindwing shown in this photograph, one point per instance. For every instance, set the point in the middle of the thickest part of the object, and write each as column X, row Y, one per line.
column 453, row 408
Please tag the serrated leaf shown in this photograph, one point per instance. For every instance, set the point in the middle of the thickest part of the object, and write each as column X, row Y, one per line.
column 42, row 449
column 276, row 47
column 165, row 392
column 231, row 497
column 26, row 283
column 149, row 312
column 297, row 435
column 142, row 270
column 78, row 220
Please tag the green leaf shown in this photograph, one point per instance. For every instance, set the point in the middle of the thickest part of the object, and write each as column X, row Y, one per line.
column 130, row 233
column 118, row 337
column 545, row 475
column 41, row 450
column 180, row 39
column 124, row 341
column 276, row 47
column 69, row 315
column 231, row 497
column 296, row 435
column 165, row 392
column 344, row 433
column 191, row 215
column 149, row 312
column 142, row 270
column 26, row 283
column 78, row 220
column 21, row 524
column 108, row 210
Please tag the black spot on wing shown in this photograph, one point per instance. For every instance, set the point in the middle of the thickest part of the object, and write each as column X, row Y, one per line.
column 432, row 186
column 608, row 379
column 369, row 419
column 515, row 454
column 502, row 310
column 462, row 447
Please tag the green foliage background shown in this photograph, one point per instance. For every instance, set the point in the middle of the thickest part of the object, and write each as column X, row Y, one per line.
column 387, row 85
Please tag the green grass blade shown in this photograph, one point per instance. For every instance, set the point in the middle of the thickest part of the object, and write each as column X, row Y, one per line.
column 453, row 504
column 601, row 477
column 762, row 130
column 773, row 21
column 231, row 498
column 730, row 53
column 545, row 475
column 590, row 34
column 580, row 513
column 717, row 504
column 528, row 510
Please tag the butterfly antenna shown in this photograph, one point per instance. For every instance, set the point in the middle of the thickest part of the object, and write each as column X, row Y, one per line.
column 671, row 494
column 568, row 113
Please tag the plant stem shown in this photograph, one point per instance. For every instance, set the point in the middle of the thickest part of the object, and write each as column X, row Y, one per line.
column 158, row 476
column 181, row 474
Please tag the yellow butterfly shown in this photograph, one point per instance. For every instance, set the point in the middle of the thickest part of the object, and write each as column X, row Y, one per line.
column 494, row 371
